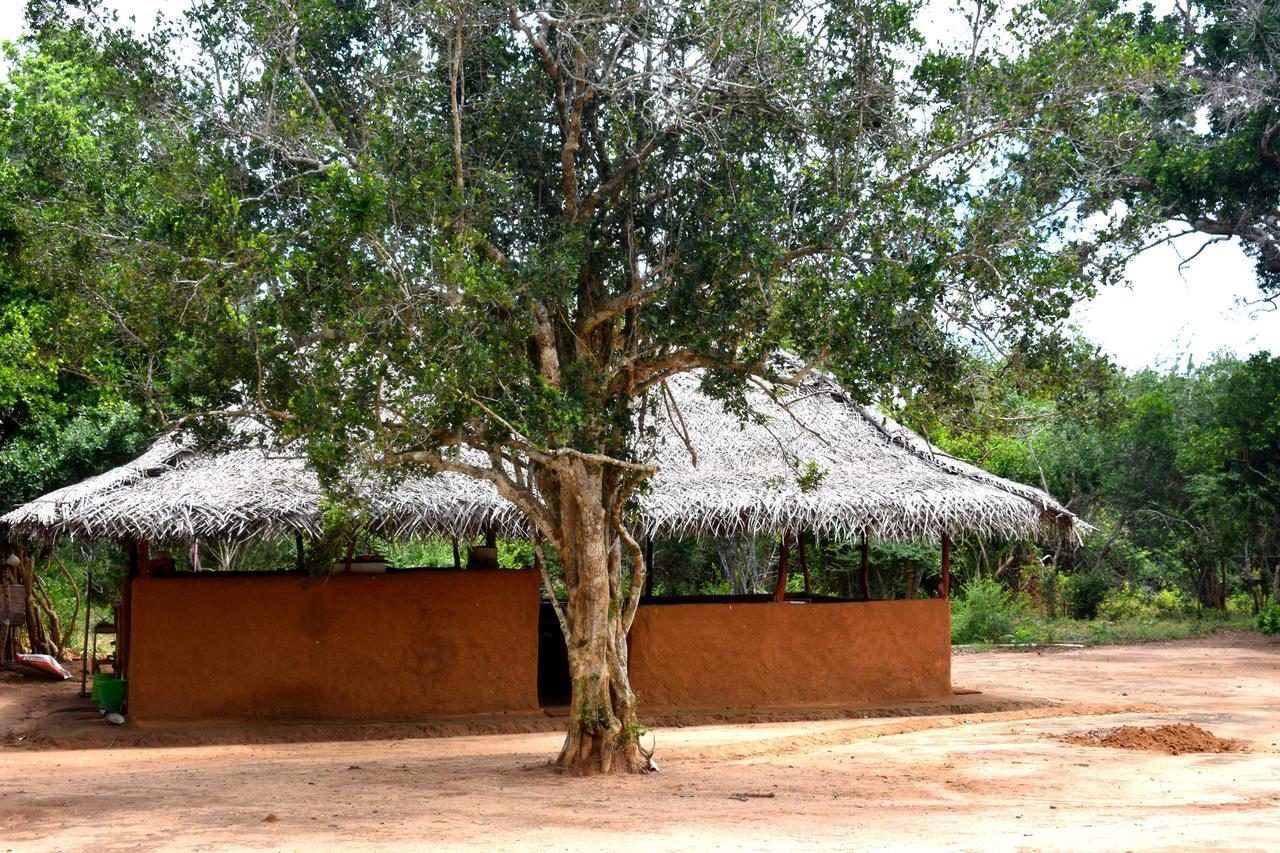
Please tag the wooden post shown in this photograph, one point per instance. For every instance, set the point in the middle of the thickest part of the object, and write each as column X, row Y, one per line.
column 944, row 589
column 457, row 557
column 648, row 565
column 490, row 538
column 804, row 566
column 85, row 650
column 301, row 558
column 866, row 569
column 139, row 562
column 780, row 592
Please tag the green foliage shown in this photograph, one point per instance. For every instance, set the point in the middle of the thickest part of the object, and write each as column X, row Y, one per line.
column 985, row 612
column 1084, row 593
column 104, row 564
column 1102, row 631
column 1128, row 602
column 293, row 233
column 343, row 523
column 1212, row 155
column 49, row 452
column 1178, row 471
column 438, row 553
column 1240, row 602
column 415, row 552
column 1268, row 621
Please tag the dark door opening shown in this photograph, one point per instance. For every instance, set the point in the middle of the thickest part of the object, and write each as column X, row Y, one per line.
column 554, row 687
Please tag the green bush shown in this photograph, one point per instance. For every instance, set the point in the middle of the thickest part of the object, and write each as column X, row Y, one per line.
column 1083, row 593
column 985, row 612
column 1173, row 602
column 1239, row 602
column 1268, row 620
column 1128, row 602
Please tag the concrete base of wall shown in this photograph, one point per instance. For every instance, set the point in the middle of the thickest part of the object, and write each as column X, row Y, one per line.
column 399, row 646
column 706, row 657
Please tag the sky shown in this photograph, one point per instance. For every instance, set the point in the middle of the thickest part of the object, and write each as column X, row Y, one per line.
column 1166, row 311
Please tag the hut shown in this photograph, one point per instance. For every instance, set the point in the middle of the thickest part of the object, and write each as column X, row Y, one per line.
column 448, row 642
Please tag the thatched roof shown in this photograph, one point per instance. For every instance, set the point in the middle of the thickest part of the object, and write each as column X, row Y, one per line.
column 811, row 459
column 823, row 462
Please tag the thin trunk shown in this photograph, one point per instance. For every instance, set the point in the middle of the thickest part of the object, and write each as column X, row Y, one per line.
column 729, row 553
column 75, row 591
column 37, row 636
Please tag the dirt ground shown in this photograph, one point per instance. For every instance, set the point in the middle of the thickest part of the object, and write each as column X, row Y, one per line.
column 984, row 780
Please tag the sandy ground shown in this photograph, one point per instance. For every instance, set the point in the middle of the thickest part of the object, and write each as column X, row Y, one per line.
column 989, row 780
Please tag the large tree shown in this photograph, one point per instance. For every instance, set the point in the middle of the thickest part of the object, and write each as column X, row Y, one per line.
column 1214, row 162
column 478, row 237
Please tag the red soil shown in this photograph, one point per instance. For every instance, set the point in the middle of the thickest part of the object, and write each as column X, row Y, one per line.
column 999, row 780
column 1174, row 739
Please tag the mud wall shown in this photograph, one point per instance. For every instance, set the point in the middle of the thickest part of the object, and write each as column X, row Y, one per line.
column 399, row 646
column 704, row 657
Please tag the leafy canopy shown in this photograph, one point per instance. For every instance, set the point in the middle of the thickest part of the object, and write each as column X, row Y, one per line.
column 402, row 228
column 1214, row 160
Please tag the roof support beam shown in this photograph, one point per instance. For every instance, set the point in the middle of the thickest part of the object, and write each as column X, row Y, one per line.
column 648, row 565
column 804, row 564
column 866, row 569
column 944, row 589
column 780, row 592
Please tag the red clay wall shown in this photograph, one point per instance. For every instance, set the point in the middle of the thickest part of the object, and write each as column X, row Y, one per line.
column 399, row 646
column 701, row 657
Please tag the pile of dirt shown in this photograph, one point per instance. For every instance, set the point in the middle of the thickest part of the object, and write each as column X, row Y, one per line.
column 1174, row 739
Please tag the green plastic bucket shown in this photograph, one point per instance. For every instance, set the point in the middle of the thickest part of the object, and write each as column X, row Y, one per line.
column 109, row 692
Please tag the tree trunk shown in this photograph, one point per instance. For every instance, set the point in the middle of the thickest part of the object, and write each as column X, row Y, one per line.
column 604, row 732
column 37, row 634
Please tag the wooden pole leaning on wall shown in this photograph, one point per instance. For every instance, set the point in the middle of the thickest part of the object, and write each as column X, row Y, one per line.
column 866, row 568
column 804, row 564
column 784, row 558
column 944, row 589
